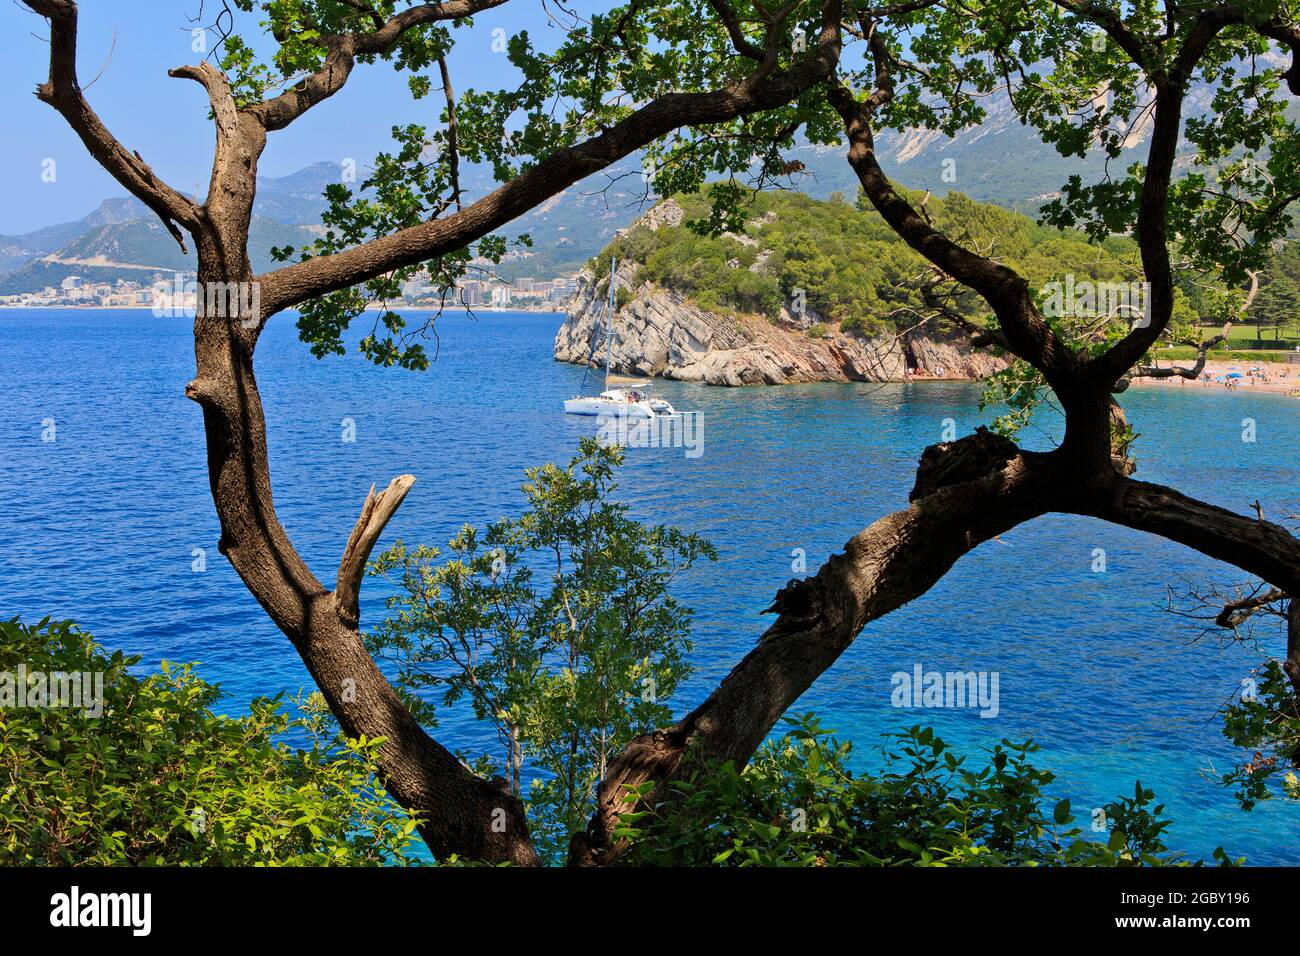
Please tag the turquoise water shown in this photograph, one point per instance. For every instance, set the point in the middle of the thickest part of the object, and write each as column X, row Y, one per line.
column 100, row 526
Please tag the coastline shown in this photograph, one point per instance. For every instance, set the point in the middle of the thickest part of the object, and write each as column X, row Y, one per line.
column 1275, row 377
column 1272, row 377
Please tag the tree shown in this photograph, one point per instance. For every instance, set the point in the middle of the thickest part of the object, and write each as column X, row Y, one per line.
column 556, row 627
column 1277, row 306
column 604, row 65
column 719, row 83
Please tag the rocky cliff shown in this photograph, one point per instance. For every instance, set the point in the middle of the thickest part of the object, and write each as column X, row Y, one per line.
column 661, row 333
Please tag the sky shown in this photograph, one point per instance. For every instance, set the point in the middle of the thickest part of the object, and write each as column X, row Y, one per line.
column 135, row 42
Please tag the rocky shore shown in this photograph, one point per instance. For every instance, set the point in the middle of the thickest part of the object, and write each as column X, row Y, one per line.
column 658, row 332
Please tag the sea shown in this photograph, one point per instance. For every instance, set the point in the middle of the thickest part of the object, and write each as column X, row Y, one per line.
column 111, row 524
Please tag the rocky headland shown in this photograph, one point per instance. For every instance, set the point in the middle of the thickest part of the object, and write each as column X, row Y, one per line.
column 661, row 332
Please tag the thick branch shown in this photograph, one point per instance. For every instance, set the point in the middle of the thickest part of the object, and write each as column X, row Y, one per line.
column 1259, row 547
column 228, row 207
column 229, row 203
column 966, row 492
column 280, row 111
column 1023, row 329
column 63, row 92
column 375, row 514
column 1110, row 20
column 1288, row 34
column 1153, row 209
column 459, row 812
column 293, row 284
column 1153, row 214
column 218, row 89
column 727, row 14
column 453, row 131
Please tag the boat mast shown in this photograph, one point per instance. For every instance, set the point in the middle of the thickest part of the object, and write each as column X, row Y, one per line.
column 609, row 332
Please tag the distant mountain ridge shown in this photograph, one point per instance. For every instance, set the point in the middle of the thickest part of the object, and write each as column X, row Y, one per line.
column 16, row 250
column 1000, row 161
column 134, row 249
column 122, row 238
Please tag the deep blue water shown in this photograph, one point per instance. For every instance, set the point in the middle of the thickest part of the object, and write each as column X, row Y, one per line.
column 99, row 526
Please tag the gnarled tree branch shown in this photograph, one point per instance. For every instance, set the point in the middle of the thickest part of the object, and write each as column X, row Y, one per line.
column 966, row 492
column 1007, row 293
column 63, row 92
column 1202, row 348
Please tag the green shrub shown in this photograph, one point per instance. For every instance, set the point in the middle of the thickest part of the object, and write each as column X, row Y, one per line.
column 843, row 261
column 1266, row 725
column 1185, row 353
column 798, row 804
column 158, row 778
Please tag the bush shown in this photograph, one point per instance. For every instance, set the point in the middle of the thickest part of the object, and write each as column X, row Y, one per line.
column 798, row 804
column 157, row 778
column 1266, row 725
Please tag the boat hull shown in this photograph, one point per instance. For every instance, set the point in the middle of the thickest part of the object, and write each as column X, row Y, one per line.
column 598, row 406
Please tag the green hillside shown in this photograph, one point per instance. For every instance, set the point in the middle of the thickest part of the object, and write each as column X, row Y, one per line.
column 853, row 268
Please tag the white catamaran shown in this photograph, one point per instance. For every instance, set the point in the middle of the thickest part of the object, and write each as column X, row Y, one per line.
column 631, row 401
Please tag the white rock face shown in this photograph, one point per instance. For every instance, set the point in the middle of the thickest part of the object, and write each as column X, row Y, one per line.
column 666, row 213
column 658, row 332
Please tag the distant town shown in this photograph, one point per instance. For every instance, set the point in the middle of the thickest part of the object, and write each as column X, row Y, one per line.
column 176, row 293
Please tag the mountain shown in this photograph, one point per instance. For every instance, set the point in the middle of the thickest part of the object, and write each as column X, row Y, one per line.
column 1000, row 161
column 296, row 199
column 15, row 250
column 122, row 238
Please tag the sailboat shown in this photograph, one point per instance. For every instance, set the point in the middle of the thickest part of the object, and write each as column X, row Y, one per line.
column 627, row 401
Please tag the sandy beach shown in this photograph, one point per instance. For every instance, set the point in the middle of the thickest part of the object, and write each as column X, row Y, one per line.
column 1280, row 377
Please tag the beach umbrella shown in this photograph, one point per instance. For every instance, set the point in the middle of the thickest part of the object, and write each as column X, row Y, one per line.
column 1234, row 375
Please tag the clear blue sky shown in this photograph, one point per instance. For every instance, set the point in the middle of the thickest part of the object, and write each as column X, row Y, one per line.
column 165, row 119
